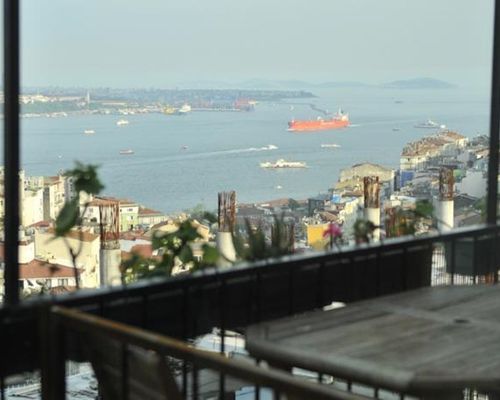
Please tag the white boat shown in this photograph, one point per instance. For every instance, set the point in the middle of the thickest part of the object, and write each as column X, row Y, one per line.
column 126, row 152
column 89, row 131
column 281, row 163
column 122, row 122
column 429, row 124
column 186, row 108
column 333, row 145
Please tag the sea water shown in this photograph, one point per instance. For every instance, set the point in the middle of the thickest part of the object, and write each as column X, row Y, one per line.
column 182, row 161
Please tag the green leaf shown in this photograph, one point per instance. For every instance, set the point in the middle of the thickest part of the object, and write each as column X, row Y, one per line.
column 67, row 218
column 210, row 255
column 186, row 254
column 210, row 217
column 85, row 178
column 424, row 208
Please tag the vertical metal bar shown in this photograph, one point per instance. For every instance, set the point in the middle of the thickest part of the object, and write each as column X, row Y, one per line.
column 453, row 260
column 222, row 303
column 258, row 307
column 11, row 148
column 184, row 334
column 257, row 387
column 404, row 275
column 144, row 310
column 491, row 206
column 124, row 377
column 495, row 260
column 291, row 302
column 53, row 356
column 195, row 383
column 320, row 299
column 474, row 259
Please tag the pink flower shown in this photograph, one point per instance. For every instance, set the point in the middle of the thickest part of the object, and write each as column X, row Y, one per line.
column 333, row 230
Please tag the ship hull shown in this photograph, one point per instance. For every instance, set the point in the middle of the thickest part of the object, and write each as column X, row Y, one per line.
column 311, row 126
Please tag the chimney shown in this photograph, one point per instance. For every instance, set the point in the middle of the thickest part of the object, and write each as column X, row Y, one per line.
column 372, row 202
column 226, row 216
column 445, row 208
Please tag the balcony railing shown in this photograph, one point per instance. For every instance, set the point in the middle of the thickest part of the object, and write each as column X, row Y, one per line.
column 231, row 299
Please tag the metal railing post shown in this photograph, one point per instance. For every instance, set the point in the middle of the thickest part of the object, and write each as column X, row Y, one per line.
column 491, row 207
column 11, row 148
column 52, row 355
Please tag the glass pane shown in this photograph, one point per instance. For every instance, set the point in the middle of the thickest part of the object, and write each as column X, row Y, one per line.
column 290, row 107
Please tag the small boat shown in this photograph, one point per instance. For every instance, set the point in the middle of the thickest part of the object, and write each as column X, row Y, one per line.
column 332, row 145
column 89, row 131
column 429, row 124
column 279, row 187
column 185, row 147
column 122, row 122
column 281, row 163
column 186, row 108
column 126, row 152
column 395, row 129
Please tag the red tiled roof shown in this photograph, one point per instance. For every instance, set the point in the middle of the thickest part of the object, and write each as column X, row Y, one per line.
column 38, row 269
column 51, row 179
column 77, row 235
column 134, row 235
column 149, row 211
column 108, row 200
column 62, row 289
column 143, row 250
column 40, row 224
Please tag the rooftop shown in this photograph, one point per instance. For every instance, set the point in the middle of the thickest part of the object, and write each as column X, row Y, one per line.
column 430, row 145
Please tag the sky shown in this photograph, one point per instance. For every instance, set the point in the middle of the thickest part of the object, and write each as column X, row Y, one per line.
column 164, row 43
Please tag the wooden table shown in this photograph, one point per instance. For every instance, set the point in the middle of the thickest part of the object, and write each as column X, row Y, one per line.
column 430, row 342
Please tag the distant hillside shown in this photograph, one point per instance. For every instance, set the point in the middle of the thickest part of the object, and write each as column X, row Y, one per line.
column 419, row 83
column 342, row 84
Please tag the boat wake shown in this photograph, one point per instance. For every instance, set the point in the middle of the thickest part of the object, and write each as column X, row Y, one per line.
column 264, row 148
column 208, row 154
column 269, row 147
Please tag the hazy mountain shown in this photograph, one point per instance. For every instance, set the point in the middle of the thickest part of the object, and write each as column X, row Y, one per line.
column 342, row 84
column 419, row 83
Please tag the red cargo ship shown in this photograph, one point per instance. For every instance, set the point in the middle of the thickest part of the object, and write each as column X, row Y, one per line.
column 339, row 120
